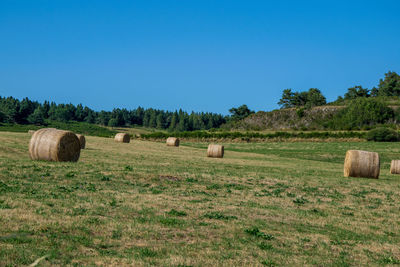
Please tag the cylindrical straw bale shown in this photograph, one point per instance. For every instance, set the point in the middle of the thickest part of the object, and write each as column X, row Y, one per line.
column 395, row 167
column 360, row 163
column 31, row 131
column 215, row 151
column 122, row 137
column 54, row 145
column 82, row 140
column 172, row 141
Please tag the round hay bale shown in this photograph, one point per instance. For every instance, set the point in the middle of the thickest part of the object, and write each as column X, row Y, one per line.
column 122, row 137
column 54, row 145
column 31, row 131
column 395, row 167
column 172, row 141
column 215, row 151
column 82, row 140
column 360, row 163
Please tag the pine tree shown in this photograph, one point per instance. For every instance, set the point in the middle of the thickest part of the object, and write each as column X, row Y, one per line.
column 390, row 86
column 183, row 123
column 37, row 117
column 174, row 120
column 91, row 117
column 152, row 120
column 146, row 118
column 198, row 123
column 160, row 121
column 80, row 113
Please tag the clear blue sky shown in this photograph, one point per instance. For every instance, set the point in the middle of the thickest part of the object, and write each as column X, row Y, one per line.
column 196, row 55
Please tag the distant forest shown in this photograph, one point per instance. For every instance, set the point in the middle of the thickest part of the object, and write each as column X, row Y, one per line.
column 364, row 107
column 26, row 111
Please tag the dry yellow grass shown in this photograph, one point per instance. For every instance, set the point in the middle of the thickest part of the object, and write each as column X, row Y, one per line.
column 145, row 204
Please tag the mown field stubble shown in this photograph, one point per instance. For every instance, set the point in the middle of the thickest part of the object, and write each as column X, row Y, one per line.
column 144, row 203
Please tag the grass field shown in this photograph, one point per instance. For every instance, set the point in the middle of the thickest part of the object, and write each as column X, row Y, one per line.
column 143, row 203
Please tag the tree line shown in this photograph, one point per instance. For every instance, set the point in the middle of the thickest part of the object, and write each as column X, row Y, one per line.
column 26, row 111
column 388, row 86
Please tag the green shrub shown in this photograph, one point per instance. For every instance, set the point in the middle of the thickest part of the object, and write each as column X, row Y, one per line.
column 250, row 135
column 360, row 113
column 382, row 134
column 300, row 112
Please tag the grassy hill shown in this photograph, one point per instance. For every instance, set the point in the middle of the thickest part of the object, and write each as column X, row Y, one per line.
column 316, row 118
column 289, row 119
column 144, row 204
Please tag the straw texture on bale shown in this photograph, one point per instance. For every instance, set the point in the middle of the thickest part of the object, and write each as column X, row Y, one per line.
column 82, row 140
column 360, row 163
column 172, row 141
column 31, row 131
column 122, row 137
column 395, row 167
column 54, row 145
column 215, row 151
